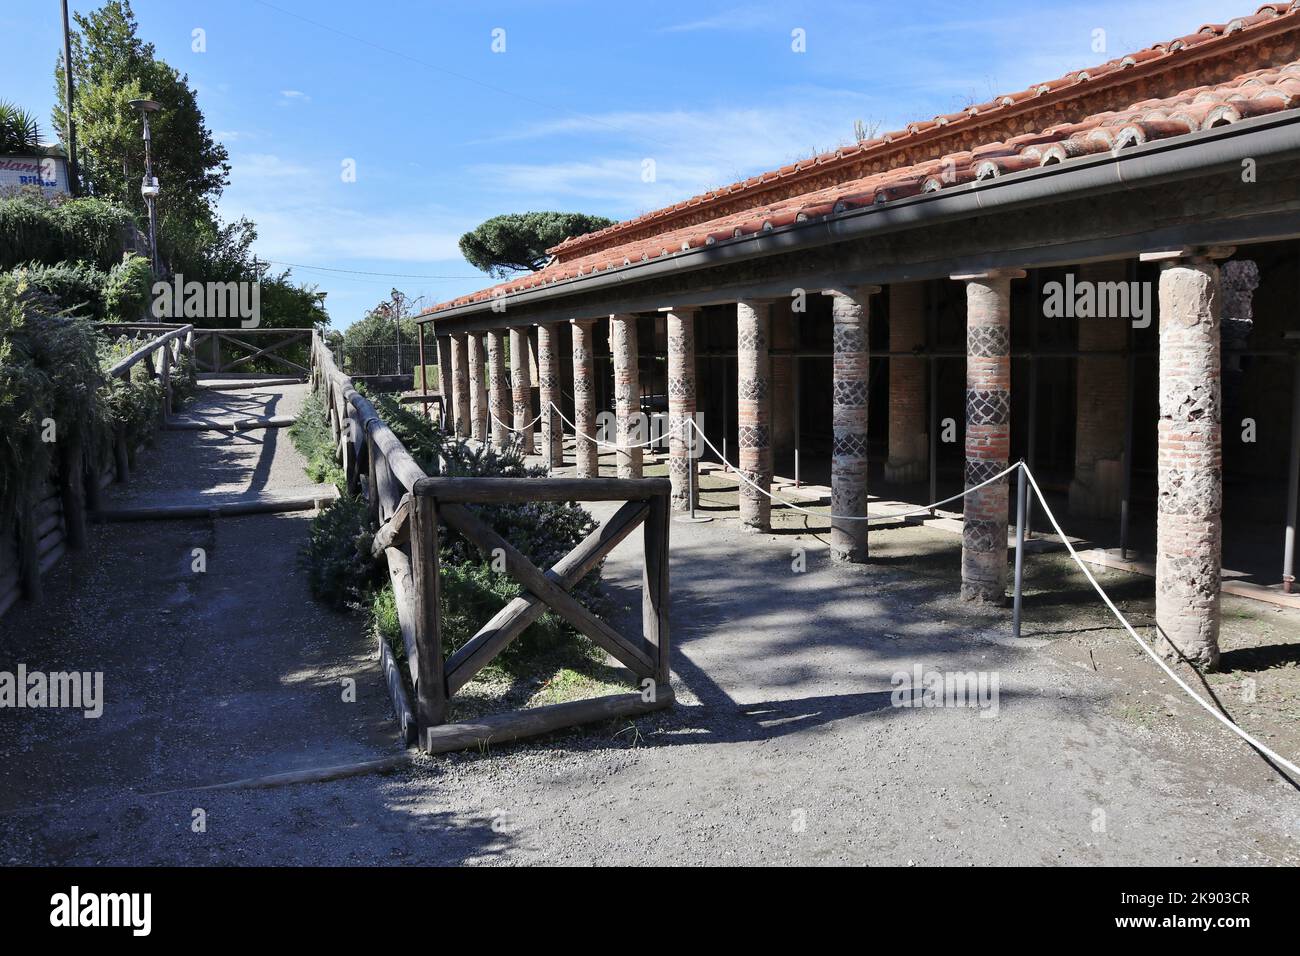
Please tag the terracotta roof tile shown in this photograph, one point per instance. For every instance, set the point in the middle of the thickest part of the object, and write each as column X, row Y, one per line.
column 1259, row 92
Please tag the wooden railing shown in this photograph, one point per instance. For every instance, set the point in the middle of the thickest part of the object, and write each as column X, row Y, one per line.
column 57, row 522
column 408, row 509
column 228, row 350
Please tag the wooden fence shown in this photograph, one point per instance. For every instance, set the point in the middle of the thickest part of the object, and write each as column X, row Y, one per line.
column 58, row 521
column 409, row 511
column 229, row 350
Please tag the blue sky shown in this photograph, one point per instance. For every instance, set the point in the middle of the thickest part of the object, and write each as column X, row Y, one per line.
column 445, row 132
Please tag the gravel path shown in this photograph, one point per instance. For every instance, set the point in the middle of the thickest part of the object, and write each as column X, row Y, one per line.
column 784, row 746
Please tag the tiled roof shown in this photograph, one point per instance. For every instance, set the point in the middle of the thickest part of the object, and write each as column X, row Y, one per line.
column 1255, row 93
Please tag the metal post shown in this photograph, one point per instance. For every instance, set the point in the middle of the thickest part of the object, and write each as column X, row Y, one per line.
column 1293, row 483
column 795, row 363
column 1020, row 549
column 74, row 174
column 932, row 329
column 1129, row 398
column 1031, row 452
column 424, row 377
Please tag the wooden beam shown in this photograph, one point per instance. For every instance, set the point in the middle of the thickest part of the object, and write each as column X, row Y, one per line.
column 526, row 573
column 524, row 490
column 654, row 590
column 519, row 724
column 395, row 531
column 430, row 689
column 513, row 619
column 399, row 574
column 396, row 691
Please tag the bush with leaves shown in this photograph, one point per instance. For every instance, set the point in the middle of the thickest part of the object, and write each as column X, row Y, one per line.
column 70, row 287
column 340, row 570
column 127, row 290
column 310, row 434
column 34, row 228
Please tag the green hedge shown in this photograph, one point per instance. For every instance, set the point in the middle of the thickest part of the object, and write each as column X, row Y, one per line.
column 50, row 231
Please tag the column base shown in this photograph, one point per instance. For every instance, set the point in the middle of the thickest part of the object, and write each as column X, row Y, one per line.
column 906, row 471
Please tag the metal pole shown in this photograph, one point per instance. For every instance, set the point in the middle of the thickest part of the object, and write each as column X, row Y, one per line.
column 1127, row 488
column 1031, row 453
column 1293, row 483
column 74, row 174
column 795, row 363
column 424, row 376
column 933, row 369
column 1020, row 549
column 152, row 200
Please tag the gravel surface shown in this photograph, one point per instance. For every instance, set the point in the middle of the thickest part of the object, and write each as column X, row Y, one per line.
column 784, row 747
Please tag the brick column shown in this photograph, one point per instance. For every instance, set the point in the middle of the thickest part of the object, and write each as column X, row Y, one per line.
column 909, row 439
column 754, row 410
column 521, row 382
column 627, row 393
column 1189, row 462
column 681, row 407
column 460, row 384
column 1101, row 391
column 498, row 389
column 988, row 434
column 446, row 376
column 478, row 407
column 586, row 453
column 850, row 311
column 548, row 382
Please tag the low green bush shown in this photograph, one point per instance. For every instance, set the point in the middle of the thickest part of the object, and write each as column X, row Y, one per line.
column 76, row 288
column 310, row 434
column 58, row 229
column 337, row 558
column 127, row 290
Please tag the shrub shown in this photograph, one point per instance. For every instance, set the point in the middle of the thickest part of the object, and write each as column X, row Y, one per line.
column 59, row 229
column 337, row 556
column 310, row 434
column 126, row 289
column 130, row 403
column 73, row 287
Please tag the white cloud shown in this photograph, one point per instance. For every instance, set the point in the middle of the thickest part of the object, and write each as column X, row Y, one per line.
column 291, row 97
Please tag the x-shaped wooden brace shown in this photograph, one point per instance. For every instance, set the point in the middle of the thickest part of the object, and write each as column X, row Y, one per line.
column 549, row 589
column 264, row 350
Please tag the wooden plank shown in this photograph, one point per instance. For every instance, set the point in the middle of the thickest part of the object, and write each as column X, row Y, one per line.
column 29, row 560
column 220, row 508
column 520, row 724
column 563, row 603
column 72, row 491
column 404, row 467
column 122, row 367
column 396, row 691
column 513, row 619
column 395, row 531
column 430, row 689
column 654, row 589
column 372, row 485
column 523, row 490
column 399, row 573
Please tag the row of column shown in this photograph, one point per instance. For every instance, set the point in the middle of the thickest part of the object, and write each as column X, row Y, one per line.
column 1189, row 455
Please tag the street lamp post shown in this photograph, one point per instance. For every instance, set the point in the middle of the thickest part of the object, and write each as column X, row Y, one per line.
column 149, row 188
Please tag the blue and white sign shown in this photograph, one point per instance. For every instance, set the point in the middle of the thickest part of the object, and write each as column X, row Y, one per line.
column 48, row 172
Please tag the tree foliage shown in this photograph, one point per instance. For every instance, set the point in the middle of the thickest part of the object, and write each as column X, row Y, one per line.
column 19, row 131
column 517, row 242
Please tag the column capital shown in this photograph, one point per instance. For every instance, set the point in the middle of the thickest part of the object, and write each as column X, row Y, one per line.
column 859, row 291
column 989, row 274
column 1184, row 255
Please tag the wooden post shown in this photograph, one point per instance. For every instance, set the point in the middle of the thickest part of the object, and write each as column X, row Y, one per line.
column 29, row 562
column 372, row 481
column 424, row 376
column 72, row 490
column 216, row 351
column 165, row 375
column 431, row 688
column 654, row 590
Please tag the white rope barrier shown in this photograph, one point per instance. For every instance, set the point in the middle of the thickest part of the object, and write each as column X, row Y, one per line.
column 614, row 445
column 925, row 509
column 510, row 428
column 1213, row 711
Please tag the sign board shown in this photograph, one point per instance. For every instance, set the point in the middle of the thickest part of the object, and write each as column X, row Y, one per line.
column 48, row 172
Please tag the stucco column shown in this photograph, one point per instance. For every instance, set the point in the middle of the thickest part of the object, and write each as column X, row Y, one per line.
column 586, row 453
column 478, row 406
column 681, row 408
column 548, row 384
column 460, row 384
column 988, row 434
column 446, row 377
column 1101, row 391
column 498, row 389
column 521, row 382
column 754, row 410
column 909, row 440
column 1189, row 462
column 627, row 393
column 850, row 312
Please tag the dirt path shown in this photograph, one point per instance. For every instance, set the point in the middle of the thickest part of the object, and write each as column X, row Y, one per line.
column 208, row 676
column 784, row 747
